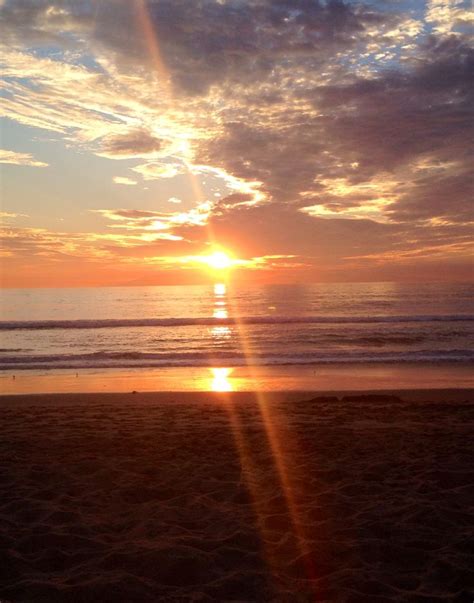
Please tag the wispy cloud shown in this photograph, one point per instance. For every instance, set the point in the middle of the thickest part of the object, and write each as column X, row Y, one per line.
column 156, row 170
column 14, row 158
column 5, row 215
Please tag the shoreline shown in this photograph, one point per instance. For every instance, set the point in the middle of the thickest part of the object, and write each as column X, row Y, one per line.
column 386, row 396
column 313, row 378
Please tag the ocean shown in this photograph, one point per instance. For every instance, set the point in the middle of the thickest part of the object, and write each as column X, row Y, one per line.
column 225, row 325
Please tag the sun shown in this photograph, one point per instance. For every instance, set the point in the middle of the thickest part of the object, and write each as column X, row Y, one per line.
column 219, row 260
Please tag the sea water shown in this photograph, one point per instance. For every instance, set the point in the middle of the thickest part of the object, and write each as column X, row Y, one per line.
column 225, row 324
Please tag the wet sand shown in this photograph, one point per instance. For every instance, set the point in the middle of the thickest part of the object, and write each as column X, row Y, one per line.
column 227, row 497
column 304, row 378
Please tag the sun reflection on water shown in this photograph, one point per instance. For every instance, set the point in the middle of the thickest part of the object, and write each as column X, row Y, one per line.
column 220, row 379
column 219, row 310
column 220, row 289
column 221, row 332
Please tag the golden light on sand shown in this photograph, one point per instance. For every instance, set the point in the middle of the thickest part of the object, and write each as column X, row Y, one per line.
column 220, row 381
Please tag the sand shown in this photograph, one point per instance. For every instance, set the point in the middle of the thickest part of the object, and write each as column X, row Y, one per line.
column 347, row 376
column 219, row 497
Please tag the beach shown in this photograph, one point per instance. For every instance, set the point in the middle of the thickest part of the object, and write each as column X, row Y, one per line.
column 297, row 496
column 236, row 309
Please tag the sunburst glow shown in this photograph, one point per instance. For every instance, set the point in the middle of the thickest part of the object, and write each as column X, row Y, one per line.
column 219, row 260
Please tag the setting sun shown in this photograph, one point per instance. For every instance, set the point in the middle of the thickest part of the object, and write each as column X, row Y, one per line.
column 219, row 260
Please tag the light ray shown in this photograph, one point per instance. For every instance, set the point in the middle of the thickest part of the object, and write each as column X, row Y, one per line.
column 220, row 383
column 151, row 40
column 252, row 478
column 274, row 439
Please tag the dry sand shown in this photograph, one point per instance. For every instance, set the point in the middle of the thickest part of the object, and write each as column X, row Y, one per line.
column 215, row 497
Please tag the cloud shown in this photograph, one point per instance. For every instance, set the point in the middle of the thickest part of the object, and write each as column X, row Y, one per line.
column 92, row 246
column 5, row 215
column 202, row 44
column 130, row 145
column 145, row 220
column 446, row 15
column 356, row 147
column 342, row 129
column 156, row 170
column 124, row 180
column 14, row 158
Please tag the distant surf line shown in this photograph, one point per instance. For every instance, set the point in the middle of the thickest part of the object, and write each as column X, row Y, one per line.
column 111, row 323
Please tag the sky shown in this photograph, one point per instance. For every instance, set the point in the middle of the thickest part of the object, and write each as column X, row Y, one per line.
column 310, row 140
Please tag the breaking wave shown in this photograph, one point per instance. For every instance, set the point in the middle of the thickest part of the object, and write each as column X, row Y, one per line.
column 112, row 323
column 129, row 359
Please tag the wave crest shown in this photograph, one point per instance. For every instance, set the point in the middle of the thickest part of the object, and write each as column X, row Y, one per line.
column 111, row 323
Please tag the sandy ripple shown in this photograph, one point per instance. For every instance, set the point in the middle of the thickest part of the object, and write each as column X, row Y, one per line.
column 184, row 502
